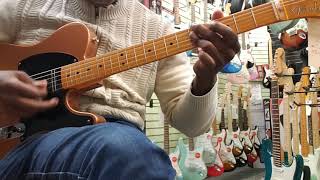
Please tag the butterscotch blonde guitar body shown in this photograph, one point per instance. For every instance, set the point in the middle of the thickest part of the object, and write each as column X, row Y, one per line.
column 71, row 43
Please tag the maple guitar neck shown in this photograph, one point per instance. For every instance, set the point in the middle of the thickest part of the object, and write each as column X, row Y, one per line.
column 303, row 120
column 177, row 19
column 295, row 123
column 80, row 74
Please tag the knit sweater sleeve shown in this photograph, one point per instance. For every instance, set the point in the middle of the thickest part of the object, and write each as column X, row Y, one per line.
column 190, row 114
column 7, row 20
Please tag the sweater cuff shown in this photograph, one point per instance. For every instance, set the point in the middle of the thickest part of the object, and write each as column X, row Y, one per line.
column 204, row 101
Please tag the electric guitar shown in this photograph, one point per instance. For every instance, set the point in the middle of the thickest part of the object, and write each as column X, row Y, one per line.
column 273, row 165
column 72, row 67
column 243, row 123
column 231, row 134
column 191, row 163
column 313, row 159
column 174, row 156
column 209, row 152
column 218, row 140
column 217, row 168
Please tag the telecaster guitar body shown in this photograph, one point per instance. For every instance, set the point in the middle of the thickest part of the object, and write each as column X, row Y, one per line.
column 48, row 56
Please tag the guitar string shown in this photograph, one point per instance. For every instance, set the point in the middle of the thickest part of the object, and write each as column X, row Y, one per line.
column 118, row 53
column 227, row 20
column 181, row 43
column 90, row 78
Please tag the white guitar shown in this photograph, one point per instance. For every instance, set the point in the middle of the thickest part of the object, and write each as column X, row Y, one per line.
column 275, row 170
column 313, row 159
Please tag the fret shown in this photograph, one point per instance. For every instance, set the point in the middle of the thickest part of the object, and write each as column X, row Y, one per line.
column 131, row 58
column 235, row 23
column 275, row 10
column 111, row 64
column 160, row 49
column 115, row 64
column 135, row 55
column 254, row 18
column 52, row 80
column 150, row 53
column 126, row 53
column 140, row 54
column 177, row 40
column 144, row 52
column 165, row 45
column 154, row 49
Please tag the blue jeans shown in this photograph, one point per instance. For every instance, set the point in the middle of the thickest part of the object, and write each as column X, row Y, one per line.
column 109, row 151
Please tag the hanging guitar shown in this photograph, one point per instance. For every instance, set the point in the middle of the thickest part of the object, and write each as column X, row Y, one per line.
column 225, row 151
column 191, row 163
column 72, row 67
column 312, row 160
column 217, row 169
column 174, row 156
column 274, row 168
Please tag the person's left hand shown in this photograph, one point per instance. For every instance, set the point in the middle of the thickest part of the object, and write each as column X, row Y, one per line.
column 217, row 45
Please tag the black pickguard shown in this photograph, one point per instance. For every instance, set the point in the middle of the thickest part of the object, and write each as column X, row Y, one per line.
column 47, row 66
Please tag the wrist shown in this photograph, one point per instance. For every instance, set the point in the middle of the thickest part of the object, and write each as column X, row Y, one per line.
column 201, row 87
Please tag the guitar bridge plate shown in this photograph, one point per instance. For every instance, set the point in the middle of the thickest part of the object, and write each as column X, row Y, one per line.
column 12, row 132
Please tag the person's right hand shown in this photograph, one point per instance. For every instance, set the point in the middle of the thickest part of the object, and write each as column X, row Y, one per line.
column 21, row 96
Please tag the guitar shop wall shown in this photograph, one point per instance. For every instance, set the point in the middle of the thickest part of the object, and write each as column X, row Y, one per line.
column 253, row 43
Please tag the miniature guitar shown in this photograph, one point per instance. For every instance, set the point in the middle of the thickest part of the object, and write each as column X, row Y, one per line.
column 72, row 67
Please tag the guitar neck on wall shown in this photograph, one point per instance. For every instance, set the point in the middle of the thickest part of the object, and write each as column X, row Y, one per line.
column 303, row 120
column 177, row 18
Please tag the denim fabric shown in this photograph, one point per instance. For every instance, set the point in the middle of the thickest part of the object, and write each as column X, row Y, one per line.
column 113, row 150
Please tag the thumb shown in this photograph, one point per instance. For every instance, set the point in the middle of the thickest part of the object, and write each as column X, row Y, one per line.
column 217, row 14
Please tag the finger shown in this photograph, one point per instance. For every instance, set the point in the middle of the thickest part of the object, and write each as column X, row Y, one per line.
column 24, row 77
column 23, row 89
column 204, row 32
column 228, row 36
column 210, row 66
column 217, row 14
column 209, row 48
column 31, row 106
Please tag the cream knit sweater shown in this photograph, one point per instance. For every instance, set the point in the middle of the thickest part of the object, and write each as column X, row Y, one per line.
column 118, row 26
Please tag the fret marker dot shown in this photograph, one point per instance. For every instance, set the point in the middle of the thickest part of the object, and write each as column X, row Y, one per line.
column 78, row 72
column 123, row 63
column 121, row 54
column 88, row 69
column 100, row 66
column 171, row 43
column 149, row 50
column 68, row 75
